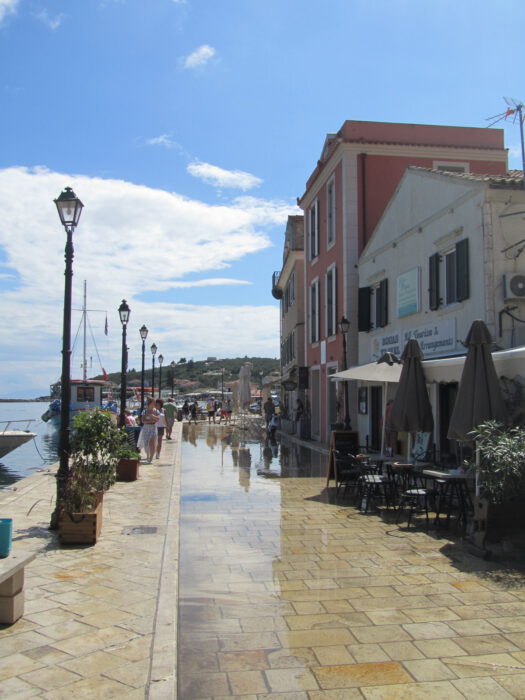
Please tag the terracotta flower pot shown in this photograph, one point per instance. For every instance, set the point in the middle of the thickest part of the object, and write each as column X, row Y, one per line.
column 127, row 469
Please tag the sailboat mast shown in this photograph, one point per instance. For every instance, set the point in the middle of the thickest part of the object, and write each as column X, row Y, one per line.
column 84, row 354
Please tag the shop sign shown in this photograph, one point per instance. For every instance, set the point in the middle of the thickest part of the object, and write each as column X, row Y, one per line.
column 434, row 339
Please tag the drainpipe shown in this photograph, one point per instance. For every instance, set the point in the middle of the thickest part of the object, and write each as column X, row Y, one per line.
column 362, row 157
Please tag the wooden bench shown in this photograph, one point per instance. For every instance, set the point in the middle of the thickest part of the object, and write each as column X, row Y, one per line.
column 12, row 586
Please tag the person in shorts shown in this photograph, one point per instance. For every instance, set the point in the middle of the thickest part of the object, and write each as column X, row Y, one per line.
column 169, row 413
column 161, row 425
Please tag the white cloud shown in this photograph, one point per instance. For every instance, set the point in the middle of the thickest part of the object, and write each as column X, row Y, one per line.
column 218, row 177
column 7, row 7
column 51, row 22
column 164, row 140
column 200, row 57
column 134, row 243
column 210, row 282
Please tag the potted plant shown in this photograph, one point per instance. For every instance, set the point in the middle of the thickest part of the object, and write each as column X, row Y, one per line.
column 95, row 445
column 128, row 463
column 499, row 463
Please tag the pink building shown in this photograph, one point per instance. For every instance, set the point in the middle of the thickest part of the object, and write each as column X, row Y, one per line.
column 357, row 174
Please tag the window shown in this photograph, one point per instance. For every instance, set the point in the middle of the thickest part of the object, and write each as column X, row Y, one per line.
column 288, row 349
column 289, row 294
column 373, row 307
column 450, row 167
column 381, row 294
column 331, row 302
column 330, row 208
column 452, row 277
column 85, row 393
column 313, row 222
column 314, row 312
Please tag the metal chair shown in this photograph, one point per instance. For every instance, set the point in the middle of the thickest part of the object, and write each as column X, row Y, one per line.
column 416, row 498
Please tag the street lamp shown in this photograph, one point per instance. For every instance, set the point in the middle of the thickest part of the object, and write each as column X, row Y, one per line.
column 143, row 334
column 173, row 365
column 69, row 208
column 153, row 351
column 344, row 327
column 161, row 360
column 123, row 312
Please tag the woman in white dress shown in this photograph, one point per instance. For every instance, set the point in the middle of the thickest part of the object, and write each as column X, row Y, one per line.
column 148, row 433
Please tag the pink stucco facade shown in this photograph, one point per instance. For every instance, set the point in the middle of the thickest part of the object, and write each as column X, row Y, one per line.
column 346, row 194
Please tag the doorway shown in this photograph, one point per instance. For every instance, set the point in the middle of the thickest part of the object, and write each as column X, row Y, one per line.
column 376, row 416
column 448, row 449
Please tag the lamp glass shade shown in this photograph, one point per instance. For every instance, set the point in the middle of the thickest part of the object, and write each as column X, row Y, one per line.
column 161, row 359
column 344, row 325
column 153, row 349
column 123, row 312
column 69, row 208
column 143, row 332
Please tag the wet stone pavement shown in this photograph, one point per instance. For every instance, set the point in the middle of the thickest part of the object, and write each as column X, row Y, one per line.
column 274, row 591
column 285, row 595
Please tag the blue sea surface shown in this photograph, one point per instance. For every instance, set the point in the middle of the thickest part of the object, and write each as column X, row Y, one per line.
column 36, row 454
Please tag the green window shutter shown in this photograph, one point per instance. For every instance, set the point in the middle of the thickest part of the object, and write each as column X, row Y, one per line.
column 433, row 281
column 363, row 316
column 462, row 270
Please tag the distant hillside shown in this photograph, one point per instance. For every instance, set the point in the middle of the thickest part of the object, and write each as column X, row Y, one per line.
column 206, row 373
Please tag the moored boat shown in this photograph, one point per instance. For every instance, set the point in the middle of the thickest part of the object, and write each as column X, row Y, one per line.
column 12, row 437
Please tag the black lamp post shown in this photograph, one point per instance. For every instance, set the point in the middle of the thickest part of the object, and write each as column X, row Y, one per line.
column 161, row 361
column 344, row 327
column 69, row 209
column 123, row 312
column 173, row 365
column 153, row 352
column 143, row 334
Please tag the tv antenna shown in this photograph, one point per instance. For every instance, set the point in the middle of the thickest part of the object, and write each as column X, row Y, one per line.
column 515, row 110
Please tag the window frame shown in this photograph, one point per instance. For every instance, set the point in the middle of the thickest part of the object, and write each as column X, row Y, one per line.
column 331, row 208
column 313, row 230
column 330, row 285
column 313, row 303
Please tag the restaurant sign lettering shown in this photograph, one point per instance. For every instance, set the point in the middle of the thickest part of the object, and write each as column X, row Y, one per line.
column 434, row 339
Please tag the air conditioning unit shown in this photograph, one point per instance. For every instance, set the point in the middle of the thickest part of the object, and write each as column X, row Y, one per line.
column 514, row 286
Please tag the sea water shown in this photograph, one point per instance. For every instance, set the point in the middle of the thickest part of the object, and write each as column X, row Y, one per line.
column 34, row 455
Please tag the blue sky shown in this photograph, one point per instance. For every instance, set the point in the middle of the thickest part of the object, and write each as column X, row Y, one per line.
column 188, row 129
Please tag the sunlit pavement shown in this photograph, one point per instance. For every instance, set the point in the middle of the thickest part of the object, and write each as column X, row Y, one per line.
column 282, row 593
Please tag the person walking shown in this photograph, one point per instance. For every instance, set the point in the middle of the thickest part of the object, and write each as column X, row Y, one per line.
column 161, row 425
column 194, row 412
column 210, row 407
column 186, row 410
column 148, row 432
column 269, row 410
column 169, row 413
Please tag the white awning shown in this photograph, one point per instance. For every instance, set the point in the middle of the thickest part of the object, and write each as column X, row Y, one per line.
column 372, row 372
column 508, row 363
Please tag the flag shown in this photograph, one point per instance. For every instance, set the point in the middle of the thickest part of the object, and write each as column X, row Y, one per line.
column 104, row 373
column 106, row 327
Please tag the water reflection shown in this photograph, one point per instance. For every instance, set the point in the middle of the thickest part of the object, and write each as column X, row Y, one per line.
column 235, row 533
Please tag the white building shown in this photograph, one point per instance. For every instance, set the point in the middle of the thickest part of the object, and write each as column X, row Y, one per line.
column 449, row 248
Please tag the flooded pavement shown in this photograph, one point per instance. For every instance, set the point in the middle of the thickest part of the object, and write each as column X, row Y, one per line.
column 284, row 594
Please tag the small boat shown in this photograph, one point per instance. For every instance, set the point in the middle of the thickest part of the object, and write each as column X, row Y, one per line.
column 86, row 394
column 11, row 438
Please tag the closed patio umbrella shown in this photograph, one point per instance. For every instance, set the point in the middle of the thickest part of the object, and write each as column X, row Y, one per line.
column 479, row 395
column 411, row 410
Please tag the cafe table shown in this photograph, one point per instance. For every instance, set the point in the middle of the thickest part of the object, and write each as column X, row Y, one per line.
column 451, row 487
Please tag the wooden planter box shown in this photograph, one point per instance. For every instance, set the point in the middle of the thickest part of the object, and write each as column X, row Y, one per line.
column 80, row 528
column 494, row 522
column 128, row 470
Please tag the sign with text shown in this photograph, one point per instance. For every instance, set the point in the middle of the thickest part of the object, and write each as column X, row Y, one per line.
column 434, row 339
column 408, row 293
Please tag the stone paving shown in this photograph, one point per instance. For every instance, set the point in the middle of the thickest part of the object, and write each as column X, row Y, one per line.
column 307, row 600
column 93, row 627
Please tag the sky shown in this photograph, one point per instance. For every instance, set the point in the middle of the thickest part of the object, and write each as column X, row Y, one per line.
column 188, row 128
